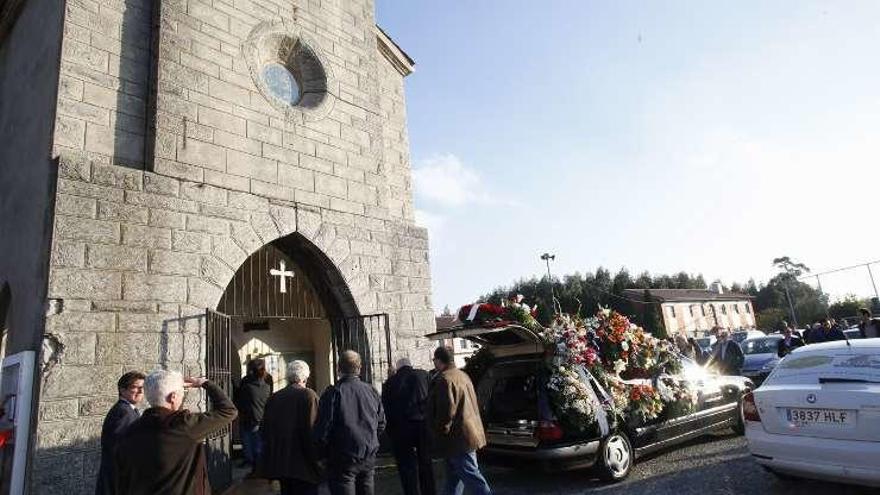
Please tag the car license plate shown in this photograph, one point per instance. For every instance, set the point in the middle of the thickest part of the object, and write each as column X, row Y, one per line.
column 802, row 417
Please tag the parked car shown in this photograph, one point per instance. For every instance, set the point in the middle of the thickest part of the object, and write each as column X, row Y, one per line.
column 818, row 414
column 521, row 428
column 741, row 336
column 761, row 357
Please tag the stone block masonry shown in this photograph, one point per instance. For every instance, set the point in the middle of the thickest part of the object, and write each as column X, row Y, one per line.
column 175, row 166
column 134, row 293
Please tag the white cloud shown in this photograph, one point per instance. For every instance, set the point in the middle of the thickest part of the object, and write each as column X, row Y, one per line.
column 445, row 181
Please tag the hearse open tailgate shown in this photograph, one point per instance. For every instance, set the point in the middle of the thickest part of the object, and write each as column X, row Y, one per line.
column 514, row 339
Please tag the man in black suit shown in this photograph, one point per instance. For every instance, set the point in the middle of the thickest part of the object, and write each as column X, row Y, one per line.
column 727, row 357
column 788, row 343
column 121, row 415
column 404, row 396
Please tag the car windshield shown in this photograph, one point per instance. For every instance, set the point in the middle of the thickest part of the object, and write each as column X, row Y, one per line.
column 760, row 346
column 738, row 337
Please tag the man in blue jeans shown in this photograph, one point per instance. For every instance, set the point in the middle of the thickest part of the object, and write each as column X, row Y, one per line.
column 457, row 427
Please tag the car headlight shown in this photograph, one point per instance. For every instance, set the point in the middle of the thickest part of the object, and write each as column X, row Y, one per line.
column 769, row 365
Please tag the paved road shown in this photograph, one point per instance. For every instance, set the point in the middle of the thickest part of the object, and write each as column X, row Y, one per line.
column 713, row 465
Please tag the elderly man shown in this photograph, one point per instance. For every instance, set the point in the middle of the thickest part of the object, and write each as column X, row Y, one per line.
column 350, row 419
column 163, row 451
column 131, row 392
column 727, row 357
column 404, row 396
column 289, row 453
column 457, row 427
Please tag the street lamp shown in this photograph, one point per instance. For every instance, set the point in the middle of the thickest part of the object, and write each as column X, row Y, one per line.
column 547, row 257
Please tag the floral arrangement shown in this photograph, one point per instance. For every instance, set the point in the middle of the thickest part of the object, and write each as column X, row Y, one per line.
column 571, row 397
column 492, row 315
column 631, row 364
column 635, row 368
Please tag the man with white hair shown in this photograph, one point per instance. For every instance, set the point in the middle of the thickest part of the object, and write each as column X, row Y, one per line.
column 404, row 396
column 289, row 453
column 163, row 451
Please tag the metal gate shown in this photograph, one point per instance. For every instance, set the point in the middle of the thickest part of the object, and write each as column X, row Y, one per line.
column 218, row 361
column 369, row 336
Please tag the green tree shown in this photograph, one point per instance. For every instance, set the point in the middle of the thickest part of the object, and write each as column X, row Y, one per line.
column 847, row 307
column 651, row 320
column 770, row 318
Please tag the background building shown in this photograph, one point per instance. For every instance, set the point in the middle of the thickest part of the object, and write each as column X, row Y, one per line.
column 695, row 312
column 190, row 184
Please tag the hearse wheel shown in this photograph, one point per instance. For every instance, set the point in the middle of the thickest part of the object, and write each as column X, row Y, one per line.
column 739, row 423
column 615, row 457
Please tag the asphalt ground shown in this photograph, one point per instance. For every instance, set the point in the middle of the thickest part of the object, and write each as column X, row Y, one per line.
column 717, row 464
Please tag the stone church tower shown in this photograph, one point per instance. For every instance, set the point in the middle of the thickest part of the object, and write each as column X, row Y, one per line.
column 191, row 184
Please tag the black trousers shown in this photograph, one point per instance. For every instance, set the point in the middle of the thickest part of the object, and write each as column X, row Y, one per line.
column 409, row 444
column 351, row 477
column 292, row 486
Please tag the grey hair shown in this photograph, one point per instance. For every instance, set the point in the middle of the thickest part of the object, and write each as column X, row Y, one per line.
column 403, row 362
column 159, row 384
column 298, row 372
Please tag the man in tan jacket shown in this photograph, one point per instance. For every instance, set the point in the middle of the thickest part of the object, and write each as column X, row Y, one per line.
column 455, row 422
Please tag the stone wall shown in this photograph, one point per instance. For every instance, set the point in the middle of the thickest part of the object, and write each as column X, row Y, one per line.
column 175, row 167
column 138, row 256
column 28, row 82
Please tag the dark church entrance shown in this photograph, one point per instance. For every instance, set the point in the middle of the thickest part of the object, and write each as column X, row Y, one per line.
column 286, row 302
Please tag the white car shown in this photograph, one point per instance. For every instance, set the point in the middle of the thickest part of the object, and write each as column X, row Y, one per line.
column 818, row 414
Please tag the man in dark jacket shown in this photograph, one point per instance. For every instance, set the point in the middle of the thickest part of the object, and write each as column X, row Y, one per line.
column 826, row 333
column 728, row 356
column 404, row 396
column 131, row 392
column 163, row 451
column 457, row 427
column 350, row 419
column 869, row 327
column 250, row 399
column 788, row 343
column 289, row 453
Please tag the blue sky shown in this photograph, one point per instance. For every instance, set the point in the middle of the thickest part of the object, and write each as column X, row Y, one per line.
column 708, row 137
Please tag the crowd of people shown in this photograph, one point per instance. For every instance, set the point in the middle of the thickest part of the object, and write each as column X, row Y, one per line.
column 295, row 437
column 726, row 355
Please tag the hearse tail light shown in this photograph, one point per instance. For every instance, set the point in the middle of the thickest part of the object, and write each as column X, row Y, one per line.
column 750, row 409
column 548, row 431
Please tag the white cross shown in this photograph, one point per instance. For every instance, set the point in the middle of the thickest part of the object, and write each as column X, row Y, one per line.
column 281, row 272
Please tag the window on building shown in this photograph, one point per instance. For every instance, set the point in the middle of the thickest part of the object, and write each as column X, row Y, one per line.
column 672, row 311
column 724, row 309
column 736, row 308
column 748, row 308
column 691, row 309
column 703, row 309
column 281, row 83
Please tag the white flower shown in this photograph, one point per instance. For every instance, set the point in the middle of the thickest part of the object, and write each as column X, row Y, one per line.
column 624, row 345
column 619, row 366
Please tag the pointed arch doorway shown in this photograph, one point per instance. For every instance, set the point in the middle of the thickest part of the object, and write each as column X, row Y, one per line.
column 287, row 302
